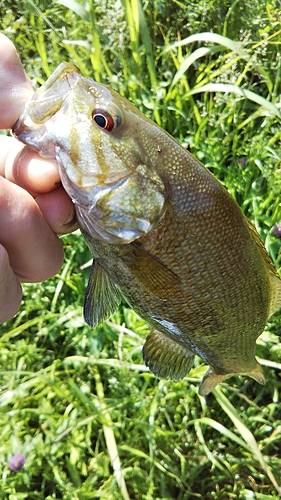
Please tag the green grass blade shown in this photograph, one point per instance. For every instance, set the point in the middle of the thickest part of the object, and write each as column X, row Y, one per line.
column 188, row 61
column 246, row 434
column 110, row 439
column 221, row 429
column 133, row 23
column 75, row 7
column 39, row 13
column 148, row 46
column 213, row 38
column 247, row 94
column 61, row 281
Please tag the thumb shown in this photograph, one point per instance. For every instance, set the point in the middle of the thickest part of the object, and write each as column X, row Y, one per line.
column 15, row 86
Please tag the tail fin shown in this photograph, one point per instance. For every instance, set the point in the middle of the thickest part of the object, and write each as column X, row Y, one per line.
column 211, row 379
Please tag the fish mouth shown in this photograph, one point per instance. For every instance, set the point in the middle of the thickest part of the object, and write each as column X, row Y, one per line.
column 34, row 135
column 24, row 128
column 32, row 128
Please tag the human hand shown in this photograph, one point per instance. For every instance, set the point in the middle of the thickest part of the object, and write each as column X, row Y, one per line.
column 34, row 207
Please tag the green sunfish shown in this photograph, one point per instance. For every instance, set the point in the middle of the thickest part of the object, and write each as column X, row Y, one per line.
column 163, row 231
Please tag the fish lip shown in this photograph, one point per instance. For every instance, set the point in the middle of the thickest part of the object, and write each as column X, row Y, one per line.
column 28, row 132
column 16, row 128
column 19, row 127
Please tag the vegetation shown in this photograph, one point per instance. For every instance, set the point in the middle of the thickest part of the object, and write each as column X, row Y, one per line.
column 79, row 405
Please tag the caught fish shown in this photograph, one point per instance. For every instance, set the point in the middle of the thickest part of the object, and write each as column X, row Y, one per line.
column 163, row 231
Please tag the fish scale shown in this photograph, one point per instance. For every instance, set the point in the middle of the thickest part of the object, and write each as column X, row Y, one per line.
column 163, row 231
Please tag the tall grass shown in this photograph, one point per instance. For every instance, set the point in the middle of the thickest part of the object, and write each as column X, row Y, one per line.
column 89, row 417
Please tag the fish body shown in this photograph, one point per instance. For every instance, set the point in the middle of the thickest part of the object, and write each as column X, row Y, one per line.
column 163, row 231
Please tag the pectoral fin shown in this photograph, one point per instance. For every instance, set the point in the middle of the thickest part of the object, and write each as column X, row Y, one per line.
column 102, row 296
column 151, row 272
column 165, row 357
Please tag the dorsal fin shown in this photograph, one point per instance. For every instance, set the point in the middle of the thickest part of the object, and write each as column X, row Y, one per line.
column 275, row 285
column 275, row 281
column 261, row 246
column 102, row 296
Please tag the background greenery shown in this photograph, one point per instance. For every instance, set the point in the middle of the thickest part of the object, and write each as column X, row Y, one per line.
column 79, row 404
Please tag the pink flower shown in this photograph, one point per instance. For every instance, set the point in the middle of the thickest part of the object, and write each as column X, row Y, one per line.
column 17, row 462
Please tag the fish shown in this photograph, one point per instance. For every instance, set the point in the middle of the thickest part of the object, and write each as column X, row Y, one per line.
column 164, row 233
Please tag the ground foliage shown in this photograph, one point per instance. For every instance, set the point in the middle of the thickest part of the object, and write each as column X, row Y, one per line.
column 89, row 418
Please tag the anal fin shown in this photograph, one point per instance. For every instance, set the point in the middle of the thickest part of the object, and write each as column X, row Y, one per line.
column 165, row 357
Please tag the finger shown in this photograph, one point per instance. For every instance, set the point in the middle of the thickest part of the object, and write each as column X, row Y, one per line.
column 35, row 252
column 39, row 177
column 24, row 167
column 58, row 210
column 10, row 289
column 15, row 86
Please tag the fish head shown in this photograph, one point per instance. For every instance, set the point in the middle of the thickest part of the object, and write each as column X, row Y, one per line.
column 99, row 141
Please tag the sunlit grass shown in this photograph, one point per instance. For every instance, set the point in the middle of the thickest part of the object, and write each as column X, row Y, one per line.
column 80, row 405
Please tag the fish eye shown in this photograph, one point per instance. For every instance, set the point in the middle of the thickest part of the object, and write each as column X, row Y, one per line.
column 105, row 120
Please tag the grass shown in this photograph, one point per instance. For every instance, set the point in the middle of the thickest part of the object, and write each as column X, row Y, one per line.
column 80, row 405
